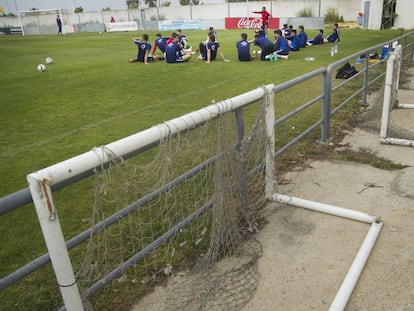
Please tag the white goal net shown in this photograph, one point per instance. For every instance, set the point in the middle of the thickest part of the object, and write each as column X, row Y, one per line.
column 43, row 22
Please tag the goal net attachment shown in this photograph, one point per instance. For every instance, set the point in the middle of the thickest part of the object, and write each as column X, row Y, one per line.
column 42, row 22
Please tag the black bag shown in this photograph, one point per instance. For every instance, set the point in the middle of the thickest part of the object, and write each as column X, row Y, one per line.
column 346, row 71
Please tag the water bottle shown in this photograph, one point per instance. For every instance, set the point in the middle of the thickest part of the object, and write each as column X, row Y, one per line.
column 332, row 51
column 336, row 48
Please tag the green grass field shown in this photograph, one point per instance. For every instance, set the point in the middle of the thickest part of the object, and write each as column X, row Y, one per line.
column 91, row 96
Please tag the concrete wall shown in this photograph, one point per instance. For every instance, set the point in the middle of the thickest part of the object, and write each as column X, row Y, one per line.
column 372, row 13
column 404, row 10
column 284, row 9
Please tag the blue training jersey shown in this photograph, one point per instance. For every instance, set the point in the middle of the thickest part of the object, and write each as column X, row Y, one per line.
column 213, row 47
column 142, row 48
column 243, row 50
column 303, row 38
column 173, row 53
column 281, row 46
column 294, row 44
column 318, row 39
column 262, row 42
column 161, row 43
column 334, row 36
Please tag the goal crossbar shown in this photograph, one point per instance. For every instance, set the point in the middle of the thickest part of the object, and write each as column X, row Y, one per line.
column 21, row 14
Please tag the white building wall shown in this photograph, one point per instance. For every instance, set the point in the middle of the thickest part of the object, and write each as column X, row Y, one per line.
column 404, row 10
column 375, row 13
column 283, row 9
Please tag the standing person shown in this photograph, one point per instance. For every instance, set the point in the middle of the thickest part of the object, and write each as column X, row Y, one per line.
column 318, row 39
column 174, row 53
column 265, row 45
column 303, row 36
column 209, row 51
column 143, row 50
column 112, row 20
column 59, row 25
column 265, row 18
column 334, row 36
column 243, row 49
column 281, row 45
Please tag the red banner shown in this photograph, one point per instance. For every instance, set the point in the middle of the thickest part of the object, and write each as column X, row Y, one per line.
column 249, row 23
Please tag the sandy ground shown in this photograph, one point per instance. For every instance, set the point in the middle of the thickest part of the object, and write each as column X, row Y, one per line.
column 307, row 254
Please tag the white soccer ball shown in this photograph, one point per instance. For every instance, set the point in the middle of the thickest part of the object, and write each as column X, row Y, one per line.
column 49, row 60
column 41, row 67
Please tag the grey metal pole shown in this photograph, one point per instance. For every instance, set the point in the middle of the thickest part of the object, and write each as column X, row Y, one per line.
column 366, row 80
column 319, row 9
column 326, row 106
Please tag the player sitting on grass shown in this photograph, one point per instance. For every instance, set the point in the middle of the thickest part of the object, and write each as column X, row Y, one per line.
column 174, row 53
column 280, row 47
column 318, row 39
column 303, row 36
column 334, row 36
column 209, row 51
column 161, row 43
column 183, row 40
column 293, row 41
column 243, row 49
column 265, row 45
column 144, row 49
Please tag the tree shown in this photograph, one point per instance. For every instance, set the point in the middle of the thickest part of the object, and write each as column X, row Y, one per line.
column 79, row 9
column 165, row 3
column 388, row 13
column 107, row 8
column 151, row 3
column 132, row 4
column 188, row 2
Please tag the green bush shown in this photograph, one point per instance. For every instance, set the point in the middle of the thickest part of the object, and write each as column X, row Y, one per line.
column 305, row 13
column 332, row 16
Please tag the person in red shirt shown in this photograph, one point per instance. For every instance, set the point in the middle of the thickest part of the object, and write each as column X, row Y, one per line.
column 265, row 18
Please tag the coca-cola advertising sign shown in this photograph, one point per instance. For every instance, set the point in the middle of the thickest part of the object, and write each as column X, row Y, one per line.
column 249, row 23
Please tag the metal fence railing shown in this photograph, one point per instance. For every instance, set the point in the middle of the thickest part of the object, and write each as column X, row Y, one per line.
column 45, row 182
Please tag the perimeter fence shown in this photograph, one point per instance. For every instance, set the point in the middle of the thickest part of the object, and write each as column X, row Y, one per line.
column 186, row 193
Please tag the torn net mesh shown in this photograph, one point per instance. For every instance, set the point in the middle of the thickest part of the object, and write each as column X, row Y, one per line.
column 217, row 251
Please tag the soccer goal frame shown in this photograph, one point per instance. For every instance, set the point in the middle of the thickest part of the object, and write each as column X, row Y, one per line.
column 391, row 99
column 38, row 22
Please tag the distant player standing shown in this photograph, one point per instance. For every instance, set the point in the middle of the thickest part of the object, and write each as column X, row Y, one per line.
column 265, row 18
column 59, row 25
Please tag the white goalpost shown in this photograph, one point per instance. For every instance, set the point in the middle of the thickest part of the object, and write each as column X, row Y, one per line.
column 42, row 22
column 391, row 101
